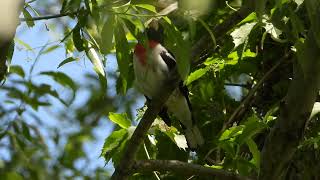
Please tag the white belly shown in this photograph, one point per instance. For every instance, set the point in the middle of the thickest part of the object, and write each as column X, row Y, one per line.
column 149, row 78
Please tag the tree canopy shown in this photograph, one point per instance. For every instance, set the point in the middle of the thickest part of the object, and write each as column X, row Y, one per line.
column 251, row 66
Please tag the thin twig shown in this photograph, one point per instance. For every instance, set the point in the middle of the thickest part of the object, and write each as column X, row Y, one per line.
column 148, row 156
column 251, row 93
column 48, row 17
column 240, row 85
column 184, row 168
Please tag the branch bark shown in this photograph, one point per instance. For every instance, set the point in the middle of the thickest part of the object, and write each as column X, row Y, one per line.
column 295, row 110
column 185, row 169
column 122, row 171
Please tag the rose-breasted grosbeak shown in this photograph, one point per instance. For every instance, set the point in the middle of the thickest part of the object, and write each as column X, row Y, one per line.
column 152, row 66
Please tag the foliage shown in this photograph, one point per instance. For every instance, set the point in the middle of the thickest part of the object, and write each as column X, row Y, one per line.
column 272, row 35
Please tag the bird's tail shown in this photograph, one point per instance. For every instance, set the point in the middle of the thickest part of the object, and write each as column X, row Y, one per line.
column 194, row 137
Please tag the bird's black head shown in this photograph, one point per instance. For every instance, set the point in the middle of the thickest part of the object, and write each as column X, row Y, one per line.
column 155, row 32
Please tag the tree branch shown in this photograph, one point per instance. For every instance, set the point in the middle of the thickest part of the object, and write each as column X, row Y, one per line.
column 122, row 171
column 251, row 93
column 184, row 168
column 295, row 110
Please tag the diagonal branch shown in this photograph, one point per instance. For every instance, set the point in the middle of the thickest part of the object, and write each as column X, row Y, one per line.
column 122, row 171
column 184, row 168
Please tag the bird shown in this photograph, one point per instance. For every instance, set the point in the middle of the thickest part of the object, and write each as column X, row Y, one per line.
column 152, row 66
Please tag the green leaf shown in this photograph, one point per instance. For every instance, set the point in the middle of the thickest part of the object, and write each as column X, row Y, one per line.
column 61, row 78
column 112, row 143
column 196, row 75
column 96, row 61
column 68, row 60
column 254, row 151
column 12, row 176
column 77, row 39
column 180, row 48
column 50, row 49
column 17, row 70
column 148, row 7
column 252, row 127
column 28, row 18
column 25, row 131
column 19, row 41
column 123, row 55
column 107, row 35
column 315, row 109
column 231, row 132
column 120, row 119
column 241, row 34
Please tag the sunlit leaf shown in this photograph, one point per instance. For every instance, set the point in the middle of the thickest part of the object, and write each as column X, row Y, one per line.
column 113, row 142
column 240, row 35
column 20, row 42
column 196, row 75
column 120, row 119
column 96, row 61
column 252, row 127
column 148, row 7
column 50, row 49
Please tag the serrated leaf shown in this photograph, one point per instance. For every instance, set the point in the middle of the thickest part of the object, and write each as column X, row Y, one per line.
column 252, row 127
column 50, row 49
column 17, row 70
column 120, row 119
column 272, row 30
column 196, row 75
column 112, row 142
column 107, row 35
column 241, row 34
column 28, row 18
column 68, row 60
column 61, row 78
column 231, row 132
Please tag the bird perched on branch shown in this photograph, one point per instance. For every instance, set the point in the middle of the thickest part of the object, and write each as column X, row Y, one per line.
column 152, row 66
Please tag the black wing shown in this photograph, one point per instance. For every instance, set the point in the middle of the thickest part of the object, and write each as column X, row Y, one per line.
column 168, row 59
